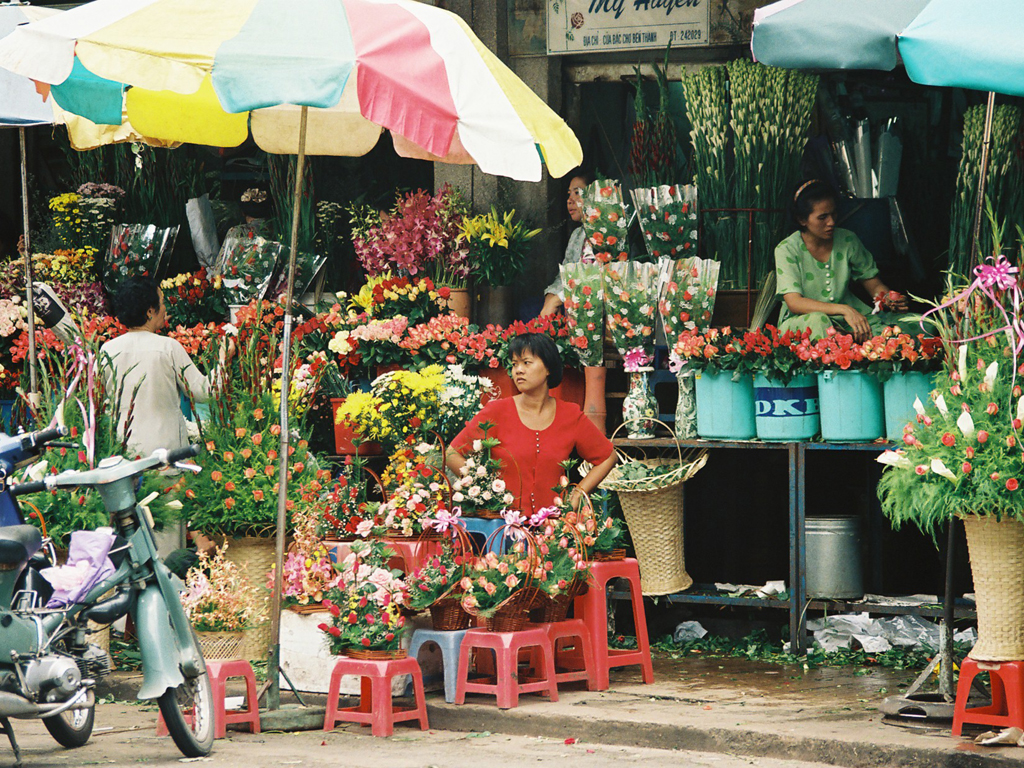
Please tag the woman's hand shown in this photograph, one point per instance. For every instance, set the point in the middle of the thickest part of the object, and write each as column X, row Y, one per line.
column 857, row 322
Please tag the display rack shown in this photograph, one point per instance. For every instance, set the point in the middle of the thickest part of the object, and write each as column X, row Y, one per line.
column 798, row 603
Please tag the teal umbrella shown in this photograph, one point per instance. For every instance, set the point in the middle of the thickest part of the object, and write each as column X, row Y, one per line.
column 977, row 45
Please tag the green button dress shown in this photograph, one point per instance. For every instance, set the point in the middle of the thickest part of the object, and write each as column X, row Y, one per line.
column 797, row 271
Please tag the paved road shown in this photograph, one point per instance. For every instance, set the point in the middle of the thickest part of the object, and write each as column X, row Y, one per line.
column 125, row 735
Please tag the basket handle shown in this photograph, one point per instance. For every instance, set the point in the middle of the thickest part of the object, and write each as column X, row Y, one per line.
column 581, row 546
column 679, row 448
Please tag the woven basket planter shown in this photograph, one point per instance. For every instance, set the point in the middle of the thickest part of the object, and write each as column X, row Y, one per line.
column 254, row 557
column 221, row 645
column 997, row 566
column 371, row 654
column 448, row 615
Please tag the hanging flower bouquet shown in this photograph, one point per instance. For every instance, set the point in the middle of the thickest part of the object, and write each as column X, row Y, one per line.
column 631, row 300
column 480, row 491
column 606, row 221
column 687, row 289
column 435, row 341
column 136, row 250
column 668, row 219
column 584, row 310
column 365, row 606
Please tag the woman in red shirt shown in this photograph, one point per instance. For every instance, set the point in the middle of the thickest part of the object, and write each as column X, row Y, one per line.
column 537, row 432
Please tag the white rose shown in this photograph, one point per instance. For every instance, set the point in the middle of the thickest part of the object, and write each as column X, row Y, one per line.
column 474, row 491
column 478, row 445
column 487, row 495
column 457, row 497
column 498, row 485
column 481, row 471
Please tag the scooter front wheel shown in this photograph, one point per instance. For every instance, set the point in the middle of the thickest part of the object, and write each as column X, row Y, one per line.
column 188, row 713
column 73, row 728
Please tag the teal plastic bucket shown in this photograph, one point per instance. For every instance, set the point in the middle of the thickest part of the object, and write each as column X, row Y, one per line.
column 851, row 406
column 725, row 408
column 786, row 413
column 900, row 391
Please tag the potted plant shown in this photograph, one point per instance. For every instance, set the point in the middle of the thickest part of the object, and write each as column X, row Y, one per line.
column 220, row 603
column 365, row 607
column 850, row 392
column 785, row 387
column 495, row 247
column 724, row 364
column 960, row 457
column 906, row 366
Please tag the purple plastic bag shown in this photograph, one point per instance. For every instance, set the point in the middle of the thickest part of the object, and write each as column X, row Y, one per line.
column 87, row 558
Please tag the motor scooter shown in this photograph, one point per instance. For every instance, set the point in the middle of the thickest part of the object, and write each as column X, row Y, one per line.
column 48, row 667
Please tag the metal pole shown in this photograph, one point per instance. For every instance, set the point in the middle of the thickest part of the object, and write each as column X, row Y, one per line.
column 274, row 695
column 946, row 662
column 986, row 144
column 32, row 389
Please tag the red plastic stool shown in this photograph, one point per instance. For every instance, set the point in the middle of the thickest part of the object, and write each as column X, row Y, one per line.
column 592, row 608
column 220, row 672
column 507, row 685
column 572, row 629
column 375, row 706
column 1007, row 683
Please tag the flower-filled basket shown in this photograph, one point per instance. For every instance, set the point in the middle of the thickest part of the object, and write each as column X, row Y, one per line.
column 502, row 589
column 563, row 547
column 221, row 604
column 435, row 585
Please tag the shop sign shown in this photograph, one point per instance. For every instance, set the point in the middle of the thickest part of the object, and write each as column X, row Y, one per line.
column 581, row 26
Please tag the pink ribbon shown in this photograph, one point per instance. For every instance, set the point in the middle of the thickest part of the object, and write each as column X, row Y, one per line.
column 1000, row 275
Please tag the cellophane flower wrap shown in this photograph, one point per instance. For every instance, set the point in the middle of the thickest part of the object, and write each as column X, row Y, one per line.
column 218, row 597
column 584, row 310
column 631, row 301
column 962, row 454
column 687, row 291
column 136, row 250
column 668, row 219
column 365, row 606
column 247, row 262
column 606, row 221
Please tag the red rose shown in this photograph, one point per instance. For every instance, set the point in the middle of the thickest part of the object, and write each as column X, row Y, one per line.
column 1012, row 484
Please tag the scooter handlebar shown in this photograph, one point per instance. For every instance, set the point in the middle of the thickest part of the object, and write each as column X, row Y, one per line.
column 180, row 454
column 24, row 488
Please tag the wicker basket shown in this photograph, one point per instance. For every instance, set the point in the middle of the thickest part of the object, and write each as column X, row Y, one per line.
column 609, row 556
column 557, row 608
column 653, row 508
column 254, row 557
column 372, row 654
column 514, row 614
column 221, row 645
column 997, row 565
column 448, row 615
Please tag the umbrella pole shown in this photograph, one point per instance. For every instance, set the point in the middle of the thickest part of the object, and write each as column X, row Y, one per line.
column 274, row 665
column 32, row 394
column 986, row 144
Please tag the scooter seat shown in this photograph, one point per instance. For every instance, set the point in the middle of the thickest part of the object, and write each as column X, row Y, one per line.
column 18, row 543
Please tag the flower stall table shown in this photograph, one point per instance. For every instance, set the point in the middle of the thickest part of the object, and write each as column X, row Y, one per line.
column 798, row 603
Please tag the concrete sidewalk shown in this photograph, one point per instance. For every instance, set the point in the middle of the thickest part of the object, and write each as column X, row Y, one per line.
column 729, row 706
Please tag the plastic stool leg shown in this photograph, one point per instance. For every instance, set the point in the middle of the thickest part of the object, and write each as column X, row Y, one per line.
column 640, row 621
column 383, row 713
column 595, row 613
column 548, row 652
column 463, row 674
column 507, row 677
column 421, row 699
column 333, row 691
column 219, row 687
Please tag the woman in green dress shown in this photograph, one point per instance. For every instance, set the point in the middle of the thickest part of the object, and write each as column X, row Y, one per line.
column 815, row 265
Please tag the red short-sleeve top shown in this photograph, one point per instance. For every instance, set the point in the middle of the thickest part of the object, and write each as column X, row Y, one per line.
column 530, row 458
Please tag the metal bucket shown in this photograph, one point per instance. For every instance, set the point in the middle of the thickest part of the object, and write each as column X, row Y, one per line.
column 833, row 557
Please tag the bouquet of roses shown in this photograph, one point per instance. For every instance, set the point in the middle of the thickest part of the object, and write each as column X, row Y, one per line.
column 584, row 310
column 687, row 290
column 493, row 579
column 478, row 348
column 668, row 219
column 218, row 597
column 778, row 359
column 480, row 487
column 435, row 341
column 365, row 605
column 554, row 326
column 835, row 350
column 437, row 579
column 199, row 341
column 378, row 341
column 136, row 250
column 717, row 350
column 193, row 297
column 606, row 221
column 894, row 351
column 631, row 300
